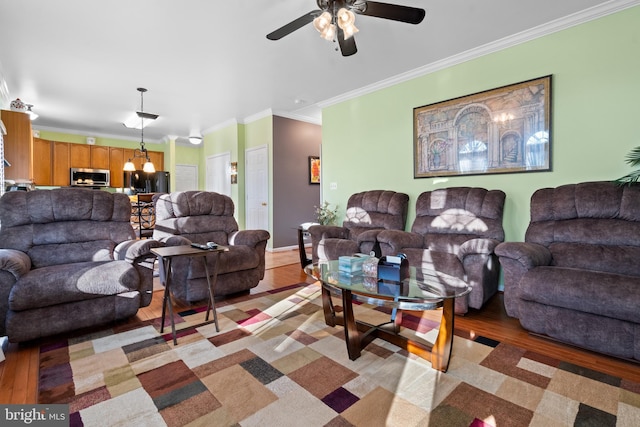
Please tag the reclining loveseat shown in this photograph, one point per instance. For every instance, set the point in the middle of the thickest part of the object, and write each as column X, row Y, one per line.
column 576, row 277
column 69, row 260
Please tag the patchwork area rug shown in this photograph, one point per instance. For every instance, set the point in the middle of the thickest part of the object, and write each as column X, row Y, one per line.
column 275, row 363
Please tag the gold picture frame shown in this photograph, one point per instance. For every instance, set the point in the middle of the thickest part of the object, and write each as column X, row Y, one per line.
column 502, row 130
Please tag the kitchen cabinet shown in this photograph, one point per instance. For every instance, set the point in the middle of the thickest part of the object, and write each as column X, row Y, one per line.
column 99, row 157
column 116, row 166
column 79, row 156
column 42, row 162
column 18, row 145
column 62, row 162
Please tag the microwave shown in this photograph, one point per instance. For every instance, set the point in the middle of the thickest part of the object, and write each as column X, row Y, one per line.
column 84, row 177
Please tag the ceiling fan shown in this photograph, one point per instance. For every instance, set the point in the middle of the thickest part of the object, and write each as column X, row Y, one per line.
column 336, row 18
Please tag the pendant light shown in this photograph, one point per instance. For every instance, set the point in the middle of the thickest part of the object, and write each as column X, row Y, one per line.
column 142, row 151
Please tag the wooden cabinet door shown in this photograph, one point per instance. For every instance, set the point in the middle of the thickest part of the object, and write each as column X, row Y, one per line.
column 41, row 161
column 18, row 145
column 116, row 165
column 61, row 163
column 79, row 156
column 99, row 157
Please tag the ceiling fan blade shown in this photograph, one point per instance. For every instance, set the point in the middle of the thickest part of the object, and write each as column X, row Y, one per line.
column 348, row 46
column 293, row 25
column 395, row 12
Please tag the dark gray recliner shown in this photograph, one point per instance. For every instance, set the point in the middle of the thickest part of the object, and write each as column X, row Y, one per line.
column 69, row 260
column 367, row 214
column 455, row 232
column 184, row 217
column 576, row 277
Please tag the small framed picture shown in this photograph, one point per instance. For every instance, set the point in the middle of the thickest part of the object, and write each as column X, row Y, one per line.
column 314, row 170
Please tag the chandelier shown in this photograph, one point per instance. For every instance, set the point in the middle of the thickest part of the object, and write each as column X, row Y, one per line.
column 142, row 152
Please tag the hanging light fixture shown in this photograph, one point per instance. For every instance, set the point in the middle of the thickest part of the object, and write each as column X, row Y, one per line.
column 142, row 151
column 325, row 23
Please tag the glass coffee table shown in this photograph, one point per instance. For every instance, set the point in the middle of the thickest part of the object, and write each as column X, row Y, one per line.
column 423, row 290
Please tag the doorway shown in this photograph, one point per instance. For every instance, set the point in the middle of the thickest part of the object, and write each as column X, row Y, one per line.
column 217, row 173
column 257, row 188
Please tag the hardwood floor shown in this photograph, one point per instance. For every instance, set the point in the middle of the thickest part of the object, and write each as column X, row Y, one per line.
column 19, row 372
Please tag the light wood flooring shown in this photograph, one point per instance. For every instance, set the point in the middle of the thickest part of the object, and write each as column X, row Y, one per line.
column 19, row 372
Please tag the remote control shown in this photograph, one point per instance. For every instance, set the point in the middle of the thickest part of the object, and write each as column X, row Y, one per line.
column 206, row 246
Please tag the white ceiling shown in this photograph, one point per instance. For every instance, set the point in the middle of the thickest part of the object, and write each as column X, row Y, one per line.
column 207, row 62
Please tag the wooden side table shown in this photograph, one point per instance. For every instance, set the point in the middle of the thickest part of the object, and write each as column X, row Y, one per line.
column 303, row 232
column 165, row 255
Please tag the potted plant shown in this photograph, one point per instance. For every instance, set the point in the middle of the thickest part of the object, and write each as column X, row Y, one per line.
column 633, row 158
column 326, row 215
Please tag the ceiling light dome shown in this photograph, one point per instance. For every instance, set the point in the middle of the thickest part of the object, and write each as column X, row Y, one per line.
column 195, row 139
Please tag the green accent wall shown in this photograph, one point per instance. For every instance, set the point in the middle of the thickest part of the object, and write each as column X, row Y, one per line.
column 368, row 141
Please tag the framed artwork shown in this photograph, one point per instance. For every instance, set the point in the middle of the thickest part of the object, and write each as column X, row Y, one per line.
column 314, row 170
column 502, row 130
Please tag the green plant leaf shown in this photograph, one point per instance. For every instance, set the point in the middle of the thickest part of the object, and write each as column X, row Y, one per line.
column 633, row 158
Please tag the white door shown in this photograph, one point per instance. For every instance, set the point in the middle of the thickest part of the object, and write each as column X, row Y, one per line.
column 186, row 177
column 218, row 178
column 257, row 188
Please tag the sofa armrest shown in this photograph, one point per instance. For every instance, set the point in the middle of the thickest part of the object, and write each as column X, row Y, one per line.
column 393, row 241
column 529, row 255
column 130, row 250
column 251, row 238
column 369, row 235
column 319, row 232
column 173, row 240
column 478, row 246
column 15, row 262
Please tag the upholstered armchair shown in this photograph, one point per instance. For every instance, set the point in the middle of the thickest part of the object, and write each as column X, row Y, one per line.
column 184, row 217
column 455, row 231
column 367, row 214
column 576, row 276
column 69, row 260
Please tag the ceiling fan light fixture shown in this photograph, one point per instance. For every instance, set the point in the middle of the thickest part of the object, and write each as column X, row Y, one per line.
column 329, row 33
column 346, row 21
column 321, row 22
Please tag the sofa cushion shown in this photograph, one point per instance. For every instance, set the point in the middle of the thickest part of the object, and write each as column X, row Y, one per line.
column 605, row 258
column 433, row 260
column 58, row 284
column 604, row 294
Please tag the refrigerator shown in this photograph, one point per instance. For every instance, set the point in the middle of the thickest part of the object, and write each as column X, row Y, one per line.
column 143, row 182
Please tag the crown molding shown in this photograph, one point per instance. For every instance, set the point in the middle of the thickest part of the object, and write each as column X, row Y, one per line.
column 257, row 116
column 222, row 125
column 298, row 117
column 94, row 134
column 551, row 27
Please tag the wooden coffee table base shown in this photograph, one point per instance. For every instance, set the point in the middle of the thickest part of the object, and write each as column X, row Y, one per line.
column 359, row 334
